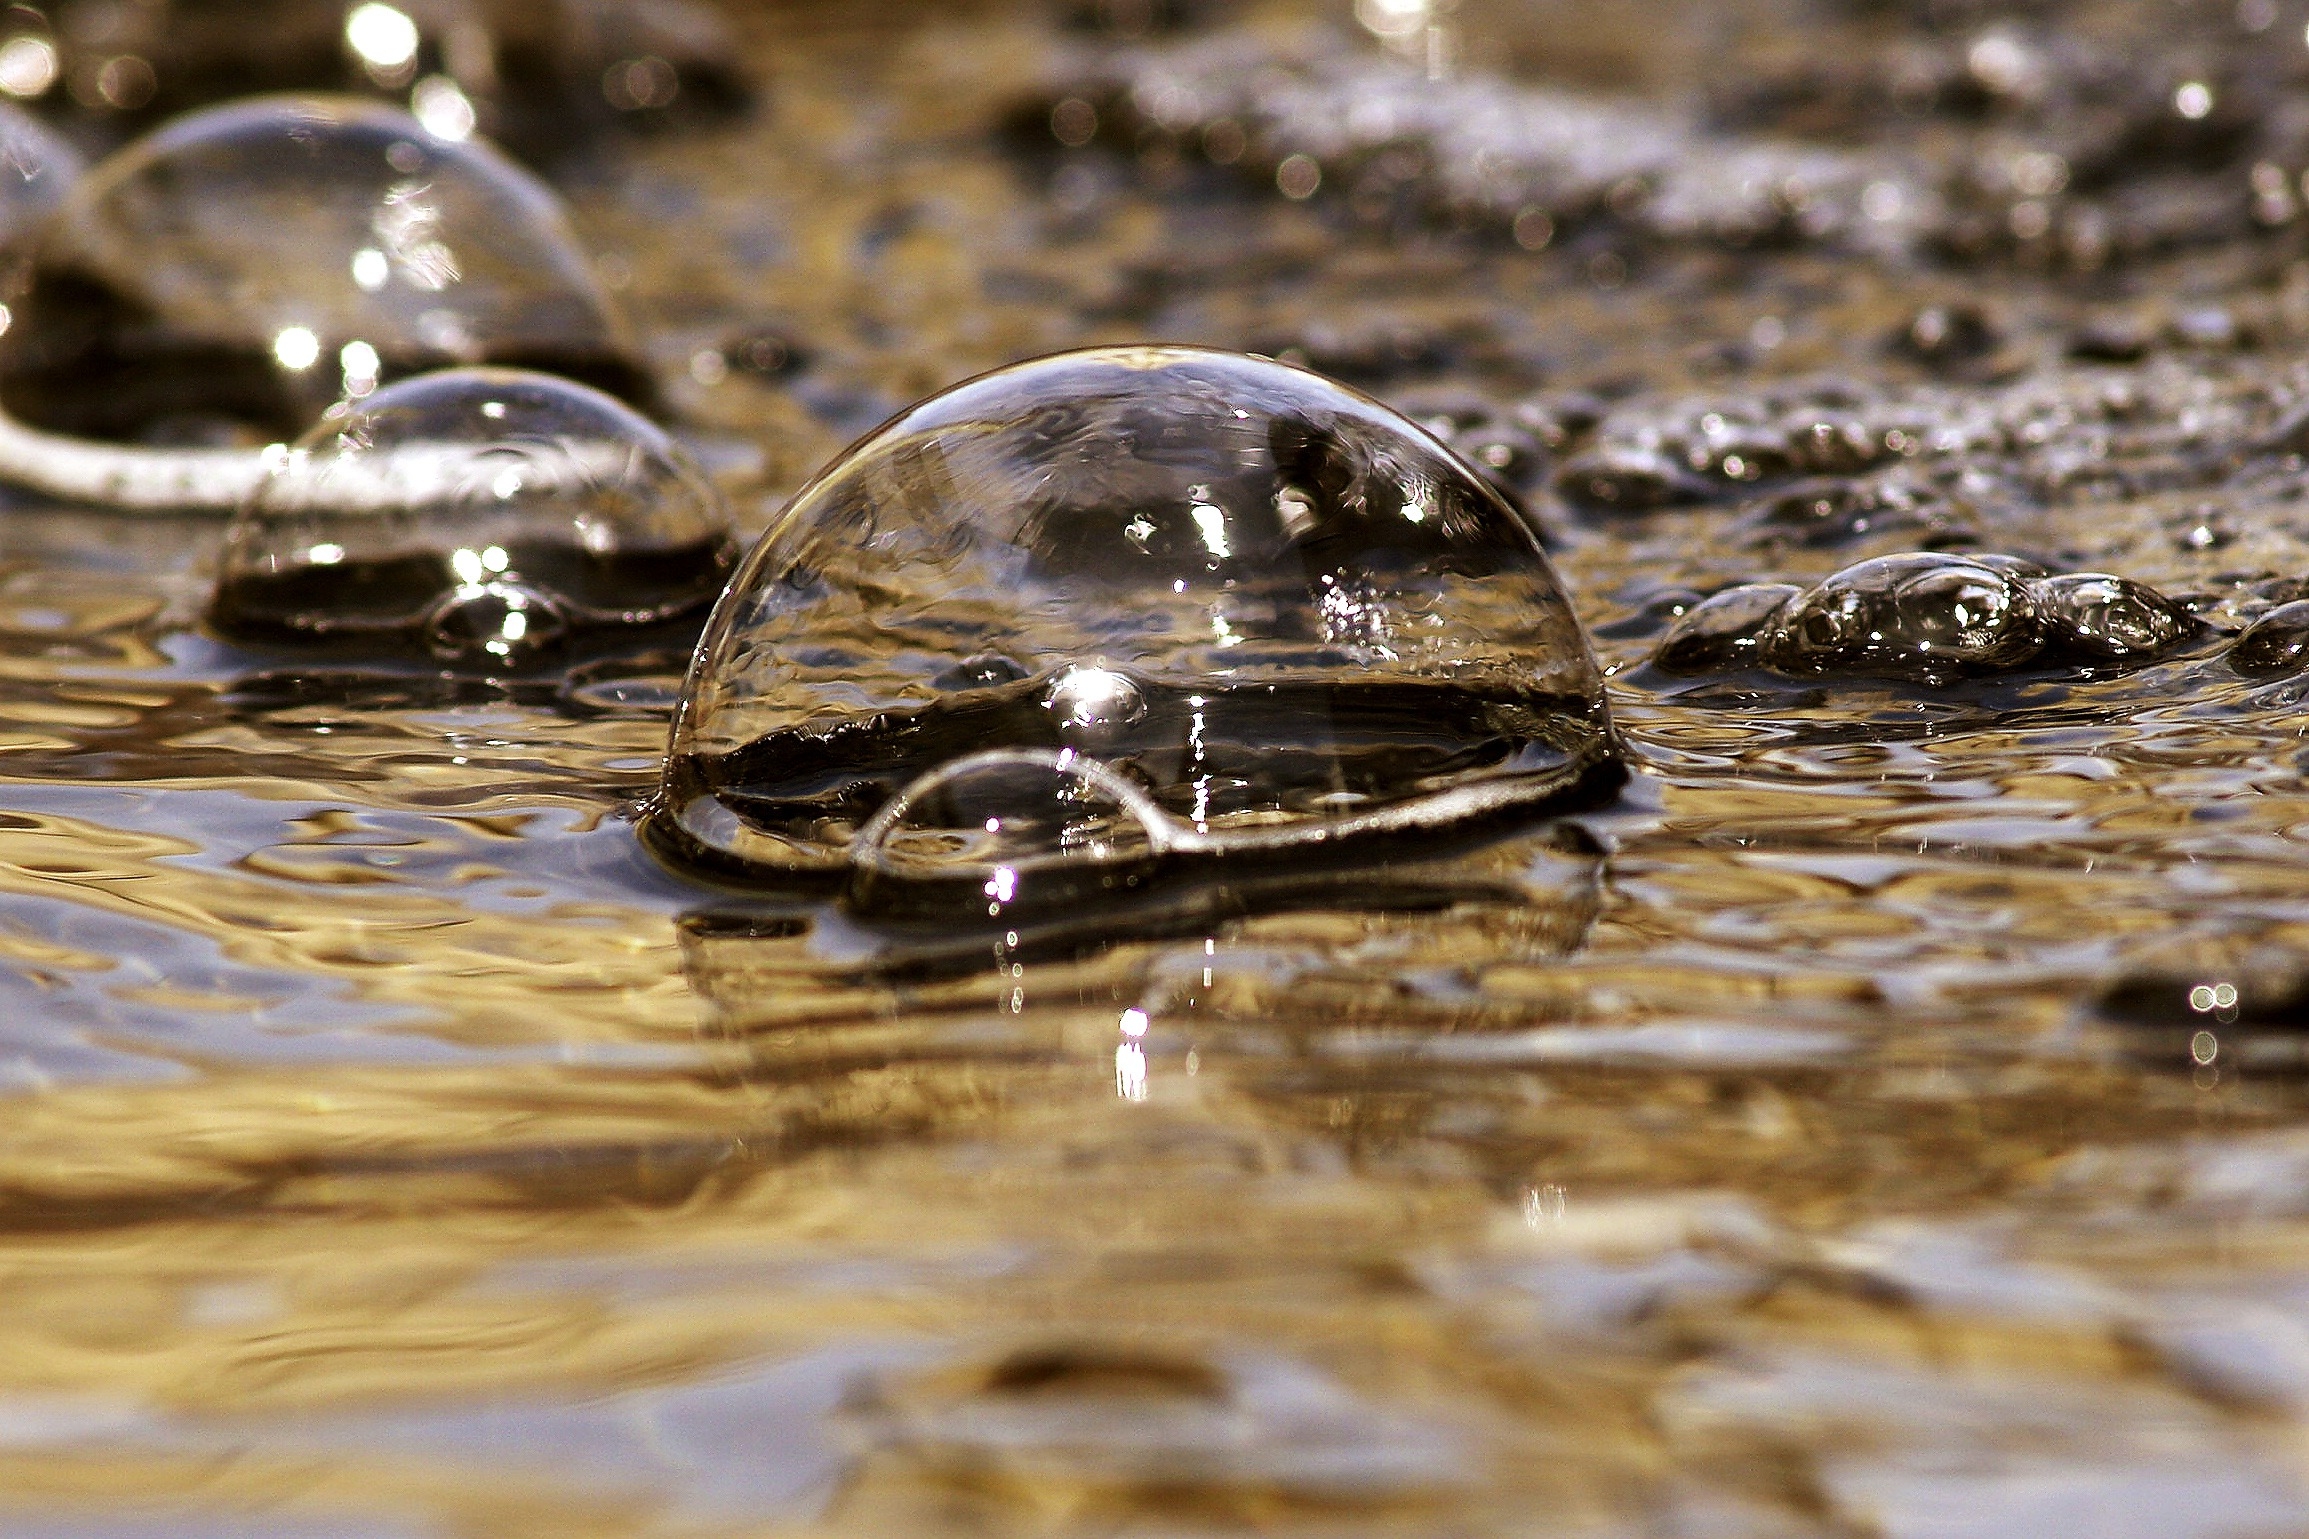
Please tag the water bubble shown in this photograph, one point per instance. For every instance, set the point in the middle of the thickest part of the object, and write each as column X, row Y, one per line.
column 2276, row 644
column 1016, row 832
column 480, row 513
column 1287, row 613
column 504, row 621
column 2096, row 617
column 201, row 284
column 1917, row 615
column 1724, row 631
column 1094, row 703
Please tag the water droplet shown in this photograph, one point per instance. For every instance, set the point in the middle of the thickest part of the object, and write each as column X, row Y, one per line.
column 2276, row 644
column 445, row 499
column 188, row 285
column 1206, row 570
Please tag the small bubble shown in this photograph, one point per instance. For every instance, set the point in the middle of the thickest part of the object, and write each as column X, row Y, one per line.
column 1074, row 122
column 2275, row 645
column 421, row 515
column 1298, row 177
column 125, row 83
column 642, row 84
column 1088, row 700
column 2193, row 99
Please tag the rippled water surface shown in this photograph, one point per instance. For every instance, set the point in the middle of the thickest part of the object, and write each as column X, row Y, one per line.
column 1885, row 1118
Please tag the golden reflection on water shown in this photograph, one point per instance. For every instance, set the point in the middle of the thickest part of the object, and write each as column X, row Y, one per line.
column 391, row 1150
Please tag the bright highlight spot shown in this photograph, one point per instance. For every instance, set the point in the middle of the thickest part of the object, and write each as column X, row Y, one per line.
column 297, row 348
column 370, row 269
column 1130, row 1072
column 443, row 109
column 381, row 36
column 27, row 67
column 1213, row 524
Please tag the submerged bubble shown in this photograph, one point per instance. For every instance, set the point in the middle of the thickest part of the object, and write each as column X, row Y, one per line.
column 1019, row 831
column 1285, row 612
column 480, row 513
column 233, row 273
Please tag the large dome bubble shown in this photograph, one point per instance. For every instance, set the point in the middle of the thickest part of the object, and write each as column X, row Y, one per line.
column 241, row 268
column 483, row 515
column 1285, row 612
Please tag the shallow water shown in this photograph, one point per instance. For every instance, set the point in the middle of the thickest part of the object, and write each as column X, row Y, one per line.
column 392, row 1148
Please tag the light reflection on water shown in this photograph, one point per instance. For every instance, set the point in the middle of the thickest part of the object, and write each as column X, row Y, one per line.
column 391, row 1149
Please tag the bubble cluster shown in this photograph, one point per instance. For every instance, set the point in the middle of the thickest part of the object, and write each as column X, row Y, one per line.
column 484, row 516
column 227, row 277
column 1927, row 616
column 2035, row 142
column 1282, row 614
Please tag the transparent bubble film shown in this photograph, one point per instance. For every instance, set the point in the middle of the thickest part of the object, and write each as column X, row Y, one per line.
column 482, row 514
column 230, row 275
column 1284, row 613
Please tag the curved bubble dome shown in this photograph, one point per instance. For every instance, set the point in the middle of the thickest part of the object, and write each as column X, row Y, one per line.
column 228, row 276
column 485, row 516
column 1286, row 613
